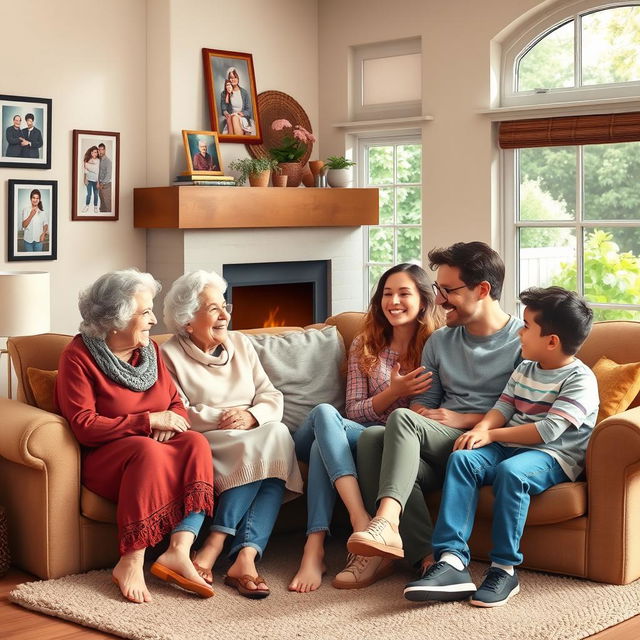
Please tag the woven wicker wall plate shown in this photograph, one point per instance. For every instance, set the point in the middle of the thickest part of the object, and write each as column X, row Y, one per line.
column 274, row 105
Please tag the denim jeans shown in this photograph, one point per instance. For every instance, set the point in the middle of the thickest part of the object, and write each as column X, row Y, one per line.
column 92, row 186
column 248, row 513
column 191, row 522
column 33, row 246
column 327, row 442
column 515, row 473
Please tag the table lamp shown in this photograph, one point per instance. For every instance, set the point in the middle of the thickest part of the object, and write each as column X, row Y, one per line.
column 24, row 307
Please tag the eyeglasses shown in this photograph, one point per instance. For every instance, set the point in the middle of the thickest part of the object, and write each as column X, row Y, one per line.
column 444, row 292
column 228, row 308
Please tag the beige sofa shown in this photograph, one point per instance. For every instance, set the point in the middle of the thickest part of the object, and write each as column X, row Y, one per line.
column 588, row 529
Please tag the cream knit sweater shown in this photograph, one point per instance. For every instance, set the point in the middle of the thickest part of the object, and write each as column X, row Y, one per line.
column 210, row 384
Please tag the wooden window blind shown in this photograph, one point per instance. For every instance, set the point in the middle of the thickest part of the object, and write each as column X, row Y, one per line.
column 570, row 130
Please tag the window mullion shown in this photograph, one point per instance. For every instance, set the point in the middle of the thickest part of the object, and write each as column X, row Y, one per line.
column 577, row 51
column 580, row 219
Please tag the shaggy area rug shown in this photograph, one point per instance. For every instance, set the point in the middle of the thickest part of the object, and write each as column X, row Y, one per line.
column 548, row 607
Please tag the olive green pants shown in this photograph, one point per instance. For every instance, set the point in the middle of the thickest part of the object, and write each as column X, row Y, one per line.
column 402, row 461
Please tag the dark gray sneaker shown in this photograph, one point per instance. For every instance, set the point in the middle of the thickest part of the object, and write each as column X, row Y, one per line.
column 441, row 582
column 496, row 588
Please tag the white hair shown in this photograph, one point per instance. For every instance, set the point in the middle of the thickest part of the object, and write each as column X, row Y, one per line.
column 109, row 302
column 183, row 299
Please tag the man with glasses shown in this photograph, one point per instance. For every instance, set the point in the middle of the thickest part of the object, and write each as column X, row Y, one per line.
column 471, row 360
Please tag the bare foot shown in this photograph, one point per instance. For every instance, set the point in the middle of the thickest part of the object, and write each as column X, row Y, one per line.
column 206, row 556
column 245, row 565
column 177, row 559
column 129, row 577
column 312, row 567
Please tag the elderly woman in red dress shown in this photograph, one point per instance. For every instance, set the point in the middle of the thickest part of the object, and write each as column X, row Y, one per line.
column 137, row 449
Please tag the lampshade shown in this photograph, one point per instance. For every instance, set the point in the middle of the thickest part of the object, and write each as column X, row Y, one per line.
column 24, row 303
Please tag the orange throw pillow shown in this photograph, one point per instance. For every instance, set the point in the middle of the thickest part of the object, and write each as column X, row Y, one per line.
column 42, row 385
column 618, row 385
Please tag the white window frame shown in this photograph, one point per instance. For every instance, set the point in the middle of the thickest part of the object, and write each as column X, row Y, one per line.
column 363, row 143
column 536, row 31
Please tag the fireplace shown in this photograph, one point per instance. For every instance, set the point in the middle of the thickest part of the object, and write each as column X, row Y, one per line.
column 271, row 294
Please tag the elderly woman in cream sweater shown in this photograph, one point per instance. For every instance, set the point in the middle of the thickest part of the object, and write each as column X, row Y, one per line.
column 230, row 399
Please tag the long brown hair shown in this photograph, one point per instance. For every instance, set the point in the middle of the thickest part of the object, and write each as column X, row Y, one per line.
column 377, row 332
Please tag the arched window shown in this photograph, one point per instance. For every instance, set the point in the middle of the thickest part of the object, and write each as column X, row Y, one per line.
column 572, row 183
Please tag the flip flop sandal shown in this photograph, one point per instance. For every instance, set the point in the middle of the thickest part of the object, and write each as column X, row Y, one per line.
column 241, row 585
column 203, row 572
column 166, row 574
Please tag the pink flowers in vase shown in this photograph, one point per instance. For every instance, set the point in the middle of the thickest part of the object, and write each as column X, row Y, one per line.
column 294, row 145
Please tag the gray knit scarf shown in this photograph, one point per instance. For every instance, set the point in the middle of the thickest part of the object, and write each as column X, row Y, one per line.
column 139, row 378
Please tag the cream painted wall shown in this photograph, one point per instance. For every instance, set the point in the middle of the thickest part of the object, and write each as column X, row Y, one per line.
column 459, row 152
column 90, row 59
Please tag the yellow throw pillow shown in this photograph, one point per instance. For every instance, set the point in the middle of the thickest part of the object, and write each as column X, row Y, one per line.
column 618, row 385
column 42, row 385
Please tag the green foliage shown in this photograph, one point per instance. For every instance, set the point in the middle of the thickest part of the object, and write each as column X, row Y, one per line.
column 610, row 275
column 249, row 166
column 338, row 162
column 536, row 204
column 290, row 150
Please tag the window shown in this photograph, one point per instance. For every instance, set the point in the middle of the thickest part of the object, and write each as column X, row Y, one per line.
column 594, row 53
column 572, row 184
column 394, row 165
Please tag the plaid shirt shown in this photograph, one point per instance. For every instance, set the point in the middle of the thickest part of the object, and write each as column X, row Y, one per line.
column 361, row 388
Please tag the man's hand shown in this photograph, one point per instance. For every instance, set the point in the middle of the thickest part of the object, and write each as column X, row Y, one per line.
column 446, row 417
column 237, row 419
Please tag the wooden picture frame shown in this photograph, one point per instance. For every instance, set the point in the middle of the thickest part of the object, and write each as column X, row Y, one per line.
column 96, row 157
column 195, row 142
column 233, row 107
column 34, row 202
column 24, row 146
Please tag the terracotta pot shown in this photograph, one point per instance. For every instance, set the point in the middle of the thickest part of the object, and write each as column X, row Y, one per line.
column 307, row 177
column 293, row 170
column 279, row 180
column 316, row 166
column 260, row 179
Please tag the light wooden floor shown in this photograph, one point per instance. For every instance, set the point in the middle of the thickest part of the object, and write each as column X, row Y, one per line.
column 17, row 623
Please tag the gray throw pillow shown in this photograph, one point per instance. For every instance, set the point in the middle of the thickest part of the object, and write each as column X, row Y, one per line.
column 305, row 366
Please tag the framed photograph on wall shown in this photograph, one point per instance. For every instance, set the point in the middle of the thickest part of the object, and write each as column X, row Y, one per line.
column 33, row 220
column 203, row 152
column 96, row 175
column 26, row 132
column 231, row 90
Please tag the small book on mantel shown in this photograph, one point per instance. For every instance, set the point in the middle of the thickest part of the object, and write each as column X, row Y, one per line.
column 188, row 177
column 205, row 183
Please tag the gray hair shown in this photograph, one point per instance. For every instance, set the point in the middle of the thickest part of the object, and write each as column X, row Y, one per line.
column 109, row 302
column 183, row 299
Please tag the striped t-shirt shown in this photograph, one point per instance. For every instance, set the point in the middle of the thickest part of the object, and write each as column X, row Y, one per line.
column 562, row 403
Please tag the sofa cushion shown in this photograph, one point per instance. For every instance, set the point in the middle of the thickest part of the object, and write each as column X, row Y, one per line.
column 618, row 385
column 564, row 501
column 305, row 366
column 42, row 385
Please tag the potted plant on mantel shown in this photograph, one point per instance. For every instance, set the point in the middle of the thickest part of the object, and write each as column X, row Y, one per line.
column 258, row 170
column 291, row 149
column 340, row 173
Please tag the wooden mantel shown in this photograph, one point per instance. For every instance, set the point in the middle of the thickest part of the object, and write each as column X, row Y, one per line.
column 192, row 207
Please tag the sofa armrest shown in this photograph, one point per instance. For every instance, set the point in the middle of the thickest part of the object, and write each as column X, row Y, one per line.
column 613, row 481
column 33, row 437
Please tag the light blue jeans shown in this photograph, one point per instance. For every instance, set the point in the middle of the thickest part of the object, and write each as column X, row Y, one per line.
column 327, row 442
column 191, row 522
column 516, row 474
column 248, row 513
column 33, row 246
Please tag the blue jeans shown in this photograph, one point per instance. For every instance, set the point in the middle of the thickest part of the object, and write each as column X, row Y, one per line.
column 515, row 473
column 249, row 512
column 92, row 186
column 327, row 442
column 33, row 246
column 191, row 522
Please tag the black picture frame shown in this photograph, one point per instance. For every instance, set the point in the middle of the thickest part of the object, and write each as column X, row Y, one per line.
column 30, row 150
column 21, row 201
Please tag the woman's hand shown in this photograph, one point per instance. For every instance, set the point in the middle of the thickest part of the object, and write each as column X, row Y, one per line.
column 237, row 419
column 167, row 421
column 409, row 384
column 162, row 436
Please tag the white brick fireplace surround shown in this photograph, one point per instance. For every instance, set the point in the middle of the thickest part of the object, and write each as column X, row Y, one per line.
column 172, row 252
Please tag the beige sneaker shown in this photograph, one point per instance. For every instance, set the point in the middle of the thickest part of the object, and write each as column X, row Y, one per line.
column 362, row 572
column 378, row 539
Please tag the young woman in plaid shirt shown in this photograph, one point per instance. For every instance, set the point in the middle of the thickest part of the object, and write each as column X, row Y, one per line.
column 384, row 373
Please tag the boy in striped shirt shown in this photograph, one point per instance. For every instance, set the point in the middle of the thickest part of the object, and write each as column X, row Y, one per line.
column 535, row 436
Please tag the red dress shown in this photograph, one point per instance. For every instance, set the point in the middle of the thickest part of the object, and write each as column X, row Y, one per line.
column 155, row 485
